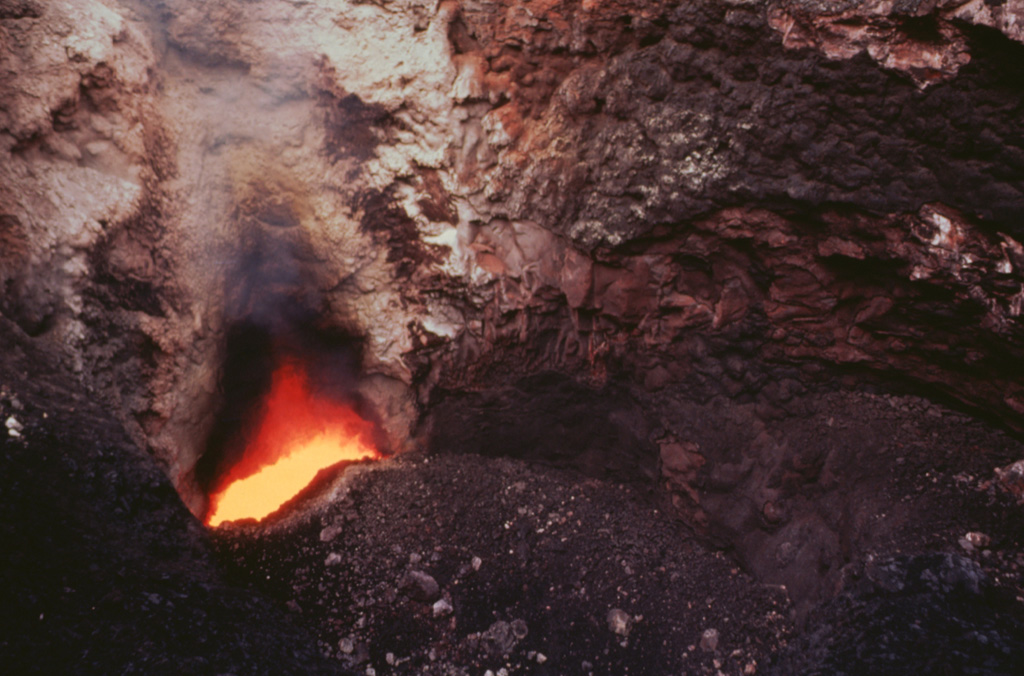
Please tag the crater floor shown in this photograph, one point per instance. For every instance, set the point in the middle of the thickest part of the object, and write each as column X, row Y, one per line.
column 535, row 570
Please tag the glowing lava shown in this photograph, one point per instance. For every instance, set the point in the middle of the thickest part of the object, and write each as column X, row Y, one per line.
column 299, row 435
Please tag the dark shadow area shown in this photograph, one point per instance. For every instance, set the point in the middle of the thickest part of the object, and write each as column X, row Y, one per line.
column 550, row 419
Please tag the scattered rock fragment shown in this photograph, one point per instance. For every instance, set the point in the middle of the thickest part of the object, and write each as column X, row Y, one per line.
column 709, row 640
column 1011, row 479
column 442, row 608
column 14, row 428
column 420, row 586
column 974, row 541
column 947, row 573
column 619, row 622
column 499, row 639
column 330, row 532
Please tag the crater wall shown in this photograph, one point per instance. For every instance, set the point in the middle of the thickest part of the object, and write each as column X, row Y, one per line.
column 718, row 198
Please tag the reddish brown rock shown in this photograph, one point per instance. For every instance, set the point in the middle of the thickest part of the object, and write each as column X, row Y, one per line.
column 651, row 193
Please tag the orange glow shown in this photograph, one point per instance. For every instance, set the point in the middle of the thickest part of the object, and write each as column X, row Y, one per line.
column 299, row 435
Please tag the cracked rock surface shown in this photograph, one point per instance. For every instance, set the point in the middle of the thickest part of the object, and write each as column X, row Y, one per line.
column 477, row 190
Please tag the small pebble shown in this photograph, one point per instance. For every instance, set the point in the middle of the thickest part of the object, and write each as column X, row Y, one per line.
column 14, row 428
column 978, row 540
column 709, row 640
column 442, row 607
column 619, row 621
column 420, row 586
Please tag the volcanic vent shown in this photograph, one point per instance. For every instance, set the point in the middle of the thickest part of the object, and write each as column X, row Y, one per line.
column 636, row 337
column 289, row 401
column 273, row 439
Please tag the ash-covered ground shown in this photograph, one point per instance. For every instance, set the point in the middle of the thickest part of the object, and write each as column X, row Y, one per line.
column 463, row 564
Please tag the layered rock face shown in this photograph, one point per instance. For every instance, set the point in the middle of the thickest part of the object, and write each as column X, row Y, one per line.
column 716, row 199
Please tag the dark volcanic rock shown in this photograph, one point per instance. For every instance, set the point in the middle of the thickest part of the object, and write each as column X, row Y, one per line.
column 932, row 614
column 533, row 559
column 533, row 562
column 716, row 194
column 699, row 106
column 712, row 194
column 420, row 586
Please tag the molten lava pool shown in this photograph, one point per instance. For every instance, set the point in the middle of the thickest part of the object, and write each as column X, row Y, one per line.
column 298, row 435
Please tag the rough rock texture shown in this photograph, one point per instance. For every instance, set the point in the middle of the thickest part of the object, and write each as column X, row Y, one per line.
column 729, row 192
column 530, row 561
column 921, row 39
column 471, row 191
column 648, row 241
column 799, row 487
column 796, row 489
column 879, row 516
column 539, row 570
column 78, row 163
column 898, row 598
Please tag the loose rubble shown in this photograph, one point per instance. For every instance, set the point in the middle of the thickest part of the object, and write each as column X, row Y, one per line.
column 577, row 571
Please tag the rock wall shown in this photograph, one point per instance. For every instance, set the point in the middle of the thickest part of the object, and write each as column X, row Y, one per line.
column 717, row 197
column 85, row 153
